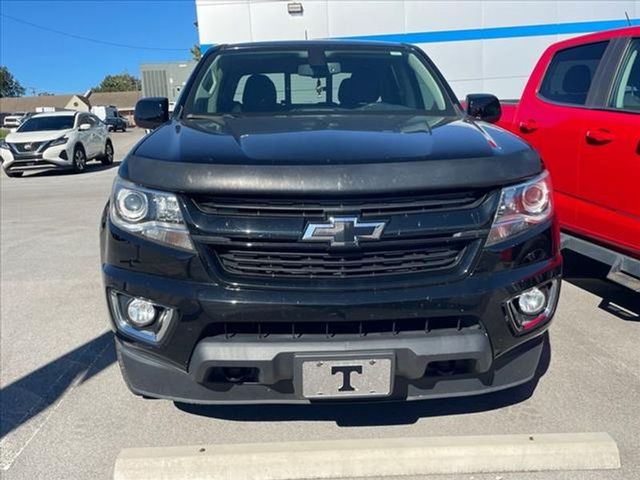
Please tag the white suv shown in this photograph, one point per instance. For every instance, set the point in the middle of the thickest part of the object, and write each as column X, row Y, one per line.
column 56, row 140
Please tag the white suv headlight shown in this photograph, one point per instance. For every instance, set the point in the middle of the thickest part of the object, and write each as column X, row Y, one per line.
column 149, row 213
column 58, row 141
column 521, row 207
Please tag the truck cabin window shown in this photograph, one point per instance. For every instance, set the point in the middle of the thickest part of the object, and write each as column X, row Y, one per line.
column 570, row 73
column 317, row 81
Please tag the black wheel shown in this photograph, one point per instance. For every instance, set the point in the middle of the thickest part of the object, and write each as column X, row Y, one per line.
column 79, row 159
column 107, row 158
column 124, row 128
column 13, row 174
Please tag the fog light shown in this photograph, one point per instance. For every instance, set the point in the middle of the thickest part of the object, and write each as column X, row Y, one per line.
column 141, row 313
column 140, row 319
column 532, row 301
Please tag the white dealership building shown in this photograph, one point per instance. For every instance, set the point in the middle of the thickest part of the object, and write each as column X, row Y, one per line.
column 480, row 46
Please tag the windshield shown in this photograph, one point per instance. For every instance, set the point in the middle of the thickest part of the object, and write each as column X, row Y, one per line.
column 325, row 80
column 37, row 124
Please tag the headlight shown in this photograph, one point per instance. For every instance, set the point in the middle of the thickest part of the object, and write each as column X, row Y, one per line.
column 131, row 204
column 4, row 145
column 58, row 141
column 522, row 206
column 149, row 213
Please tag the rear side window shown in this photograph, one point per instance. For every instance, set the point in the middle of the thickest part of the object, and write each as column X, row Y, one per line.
column 626, row 94
column 569, row 76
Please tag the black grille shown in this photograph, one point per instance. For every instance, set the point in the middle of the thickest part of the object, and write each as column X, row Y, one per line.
column 28, row 147
column 260, row 241
column 319, row 264
column 322, row 208
column 331, row 329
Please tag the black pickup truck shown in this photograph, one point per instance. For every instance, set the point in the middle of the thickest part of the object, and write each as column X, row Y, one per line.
column 116, row 123
column 322, row 221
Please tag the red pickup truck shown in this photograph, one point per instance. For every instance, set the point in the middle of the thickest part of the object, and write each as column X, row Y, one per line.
column 581, row 111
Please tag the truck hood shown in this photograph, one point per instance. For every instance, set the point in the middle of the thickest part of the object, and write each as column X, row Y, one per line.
column 41, row 136
column 328, row 155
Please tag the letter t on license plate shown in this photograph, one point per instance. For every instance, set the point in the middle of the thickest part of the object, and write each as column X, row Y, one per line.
column 334, row 377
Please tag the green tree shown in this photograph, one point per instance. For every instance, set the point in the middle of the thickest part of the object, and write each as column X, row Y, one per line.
column 196, row 53
column 9, row 86
column 122, row 82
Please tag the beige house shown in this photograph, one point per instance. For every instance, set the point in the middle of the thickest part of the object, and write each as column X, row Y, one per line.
column 79, row 103
column 124, row 101
column 31, row 104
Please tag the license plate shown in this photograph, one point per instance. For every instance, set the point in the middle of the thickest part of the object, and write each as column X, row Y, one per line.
column 355, row 377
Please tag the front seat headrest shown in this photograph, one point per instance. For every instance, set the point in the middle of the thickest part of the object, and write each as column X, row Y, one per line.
column 259, row 94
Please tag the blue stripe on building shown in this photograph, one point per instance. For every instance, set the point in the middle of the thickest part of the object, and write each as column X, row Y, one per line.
column 492, row 32
column 499, row 32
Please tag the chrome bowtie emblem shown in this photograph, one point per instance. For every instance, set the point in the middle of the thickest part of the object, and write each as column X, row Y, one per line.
column 343, row 231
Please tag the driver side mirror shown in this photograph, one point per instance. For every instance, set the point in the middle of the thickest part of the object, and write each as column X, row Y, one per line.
column 151, row 112
column 483, row 106
column 84, row 127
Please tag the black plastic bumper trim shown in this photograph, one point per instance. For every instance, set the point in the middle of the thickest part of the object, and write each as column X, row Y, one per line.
column 275, row 359
column 148, row 376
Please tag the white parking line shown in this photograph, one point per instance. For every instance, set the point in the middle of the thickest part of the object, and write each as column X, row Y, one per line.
column 367, row 458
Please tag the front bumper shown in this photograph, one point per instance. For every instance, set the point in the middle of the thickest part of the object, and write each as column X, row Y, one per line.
column 492, row 357
column 149, row 376
column 50, row 158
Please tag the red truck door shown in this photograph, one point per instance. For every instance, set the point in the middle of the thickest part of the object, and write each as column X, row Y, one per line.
column 609, row 157
column 557, row 95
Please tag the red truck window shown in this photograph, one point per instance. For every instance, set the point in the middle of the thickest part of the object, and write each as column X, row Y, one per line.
column 570, row 72
column 626, row 94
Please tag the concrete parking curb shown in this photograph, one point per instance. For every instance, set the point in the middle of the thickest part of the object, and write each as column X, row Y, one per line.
column 363, row 458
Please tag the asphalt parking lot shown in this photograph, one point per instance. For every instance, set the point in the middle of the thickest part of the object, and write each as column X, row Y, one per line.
column 66, row 412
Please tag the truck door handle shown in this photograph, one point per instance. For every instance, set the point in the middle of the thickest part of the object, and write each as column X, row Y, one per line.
column 528, row 126
column 599, row 136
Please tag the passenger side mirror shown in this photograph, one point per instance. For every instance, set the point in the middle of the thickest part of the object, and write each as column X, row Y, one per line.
column 483, row 106
column 151, row 112
column 84, row 127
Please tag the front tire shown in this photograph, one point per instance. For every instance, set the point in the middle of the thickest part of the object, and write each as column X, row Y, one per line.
column 79, row 159
column 107, row 158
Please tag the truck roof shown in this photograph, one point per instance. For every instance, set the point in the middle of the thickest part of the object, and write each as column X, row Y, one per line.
column 632, row 31
column 328, row 43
